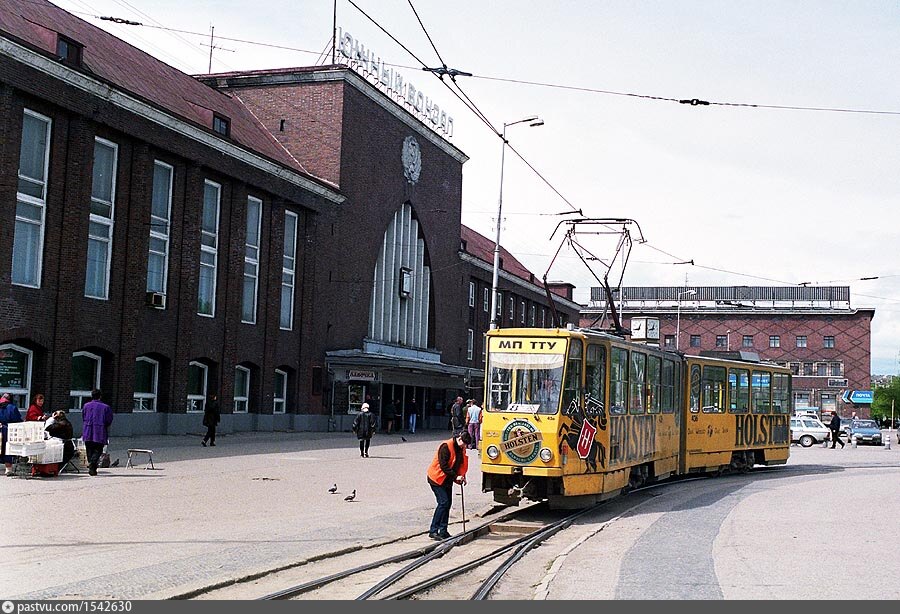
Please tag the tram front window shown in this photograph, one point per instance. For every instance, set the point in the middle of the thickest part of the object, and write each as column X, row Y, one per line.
column 525, row 382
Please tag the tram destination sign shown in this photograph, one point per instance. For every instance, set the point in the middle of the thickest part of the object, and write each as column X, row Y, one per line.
column 390, row 81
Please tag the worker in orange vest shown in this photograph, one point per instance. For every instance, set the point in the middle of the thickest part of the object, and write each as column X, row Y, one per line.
column 448, row 466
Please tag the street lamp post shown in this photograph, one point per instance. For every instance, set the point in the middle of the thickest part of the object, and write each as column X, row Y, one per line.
column 678, row 318
column 532, row 121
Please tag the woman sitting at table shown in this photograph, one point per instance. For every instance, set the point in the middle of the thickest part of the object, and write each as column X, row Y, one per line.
column 61, row 428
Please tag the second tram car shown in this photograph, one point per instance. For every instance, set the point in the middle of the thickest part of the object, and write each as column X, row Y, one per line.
column 575, row 416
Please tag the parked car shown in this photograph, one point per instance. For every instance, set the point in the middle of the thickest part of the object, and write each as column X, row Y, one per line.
column 807, row 430
column 845, row 424
column 865, row 431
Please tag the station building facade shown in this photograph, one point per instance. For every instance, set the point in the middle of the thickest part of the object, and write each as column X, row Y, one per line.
column 813, row 330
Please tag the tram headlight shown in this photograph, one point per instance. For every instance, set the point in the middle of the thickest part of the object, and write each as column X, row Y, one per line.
column 493, row 452
column 546, row 455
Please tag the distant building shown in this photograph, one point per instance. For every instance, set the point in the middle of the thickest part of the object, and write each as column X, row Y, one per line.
column 813, row 330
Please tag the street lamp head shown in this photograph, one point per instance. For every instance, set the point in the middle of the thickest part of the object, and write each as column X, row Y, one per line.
column 534, row 120
column 537, row 122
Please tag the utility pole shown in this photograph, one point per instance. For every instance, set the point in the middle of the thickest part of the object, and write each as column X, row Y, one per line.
column 334, row 33
column 212, row 29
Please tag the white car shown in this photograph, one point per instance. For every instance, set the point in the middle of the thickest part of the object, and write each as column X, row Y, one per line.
column 807, row 431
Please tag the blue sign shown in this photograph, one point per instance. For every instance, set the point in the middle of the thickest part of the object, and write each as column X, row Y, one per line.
column 859, row 396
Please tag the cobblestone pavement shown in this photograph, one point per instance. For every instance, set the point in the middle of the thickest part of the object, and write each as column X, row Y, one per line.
column 254, row 502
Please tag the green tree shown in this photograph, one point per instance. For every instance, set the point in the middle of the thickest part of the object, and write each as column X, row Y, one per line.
column 884, row 395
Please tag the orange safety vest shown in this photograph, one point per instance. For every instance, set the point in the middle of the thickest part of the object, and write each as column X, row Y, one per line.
column 436, row 474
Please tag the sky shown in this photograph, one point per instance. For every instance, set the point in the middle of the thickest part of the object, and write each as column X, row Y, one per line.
column 753, row 195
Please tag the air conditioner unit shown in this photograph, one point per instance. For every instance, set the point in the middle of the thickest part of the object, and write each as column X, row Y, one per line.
column 156, row 299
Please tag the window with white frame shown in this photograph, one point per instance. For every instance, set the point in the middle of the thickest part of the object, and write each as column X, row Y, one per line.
column 522, row 312
column 160, row 218
column 31, row 200
column 828, row 341
column 251, row 260
column 100, row 228
column 197, row 377
column 85, row 378
column 499, row 305
column 533, row 315
column 209, row 249
column 512, row 309
column 470, row 344
column 801, row 341
column 280, row 396
column 288, row 270
column 486, row 300
column 471, row 294
column 146, row 382
column 774, row 341
column 241, row 389
column 15, row 374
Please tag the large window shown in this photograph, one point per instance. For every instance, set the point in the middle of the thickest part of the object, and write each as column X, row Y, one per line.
column 288, row 270
column 15, row 374
column 280, row 395
column 595, row 379
column 146, row 382
column 739, row 390
column 654, row 369
column 31, row 200
column 100, row 228
column 637, row 379
column 85, row 377
column 241, row 389
column 197, row 377
column 761, row 391
column 486, row 300
column 713, row 390
column 781, row 394
column 470, row 344
column 160, row 218
column 618, row 381
column 668, row 386
column 251, row 260
column 471, row 294
column 209, row 249
column 774, row 341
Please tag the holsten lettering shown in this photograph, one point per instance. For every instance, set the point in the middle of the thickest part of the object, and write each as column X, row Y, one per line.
column 756, row 430
column 521, row 441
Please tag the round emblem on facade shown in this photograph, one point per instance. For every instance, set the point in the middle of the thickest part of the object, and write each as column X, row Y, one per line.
column 521, row 441
column 412, row 159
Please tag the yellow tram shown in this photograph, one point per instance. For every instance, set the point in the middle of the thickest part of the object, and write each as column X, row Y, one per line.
column 575, row 416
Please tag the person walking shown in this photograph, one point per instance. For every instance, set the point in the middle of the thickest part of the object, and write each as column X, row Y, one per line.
column 9, row 413
column 97, row 417
column 364, row 427
column 473, row 422
column 211, row 417
column 413, row 410
column 447, row 468
column 457, row 416
column 835, row 426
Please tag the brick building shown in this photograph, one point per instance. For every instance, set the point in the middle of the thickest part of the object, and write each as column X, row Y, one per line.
column 814, row 330
column 155, row 241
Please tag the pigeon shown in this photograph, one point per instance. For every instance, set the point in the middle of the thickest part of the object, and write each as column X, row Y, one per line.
column 115, row 463
column 351, row 496
column 402, row 437
column 333, row 489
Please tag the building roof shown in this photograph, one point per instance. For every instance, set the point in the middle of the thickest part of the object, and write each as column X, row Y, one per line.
column 482, row 248
column 37, row 23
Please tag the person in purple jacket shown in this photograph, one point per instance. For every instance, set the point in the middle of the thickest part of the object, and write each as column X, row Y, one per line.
column 96, row 416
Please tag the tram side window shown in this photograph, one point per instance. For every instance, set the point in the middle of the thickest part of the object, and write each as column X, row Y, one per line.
column 781, row 393
column 739, row 391
column 654, row 366
column 595, row 375
column 618, row 380
column 637, row 382
column 667, row 387
column 762, row 392
column 695, row 389
column 713, row 390
column 573, row 376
